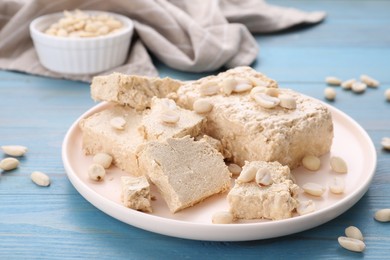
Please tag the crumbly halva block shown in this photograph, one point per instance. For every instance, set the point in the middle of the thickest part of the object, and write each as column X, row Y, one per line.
column 184, row 171
column 249, row 200
column 152, row 128
column 99, row 136
column 136, row 193
column 132, row 90
column 251, row 132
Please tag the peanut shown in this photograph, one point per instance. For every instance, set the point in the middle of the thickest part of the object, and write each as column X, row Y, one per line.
column 40, row 179
column 8, row 164
column 14, row 150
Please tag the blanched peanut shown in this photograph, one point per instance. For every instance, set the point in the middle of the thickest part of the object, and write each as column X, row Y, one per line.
column 330, row 93
column 169, row 116
column 247, row 174
column 387, row 94
column 333, row 81
column 118, row 123
column 222, row 217
column 257, row 90
column 80, row 24
column 263, row 177
column 311, row 162
column 313, row 189
column 354, row 232
column 306, row 207
column 382, row 215
column 338, row 164
column 202, row 106
column 386, row 143
column 348, row 83
column 352, row 244
column 168, row 104
column 228, row 85
column 40, row 179
column 287, row 101
column 209, row 88
column 242, row 87
column 14, row 150
column 273, row 92
column 104, row 159
column 359, row 87
column 96, row 172
column 369, row 81
column 266, row 101
column 337, row 185
column 258, row 82
column 8, row 164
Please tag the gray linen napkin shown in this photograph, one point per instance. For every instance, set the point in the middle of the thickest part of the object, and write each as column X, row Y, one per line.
column 189, row 35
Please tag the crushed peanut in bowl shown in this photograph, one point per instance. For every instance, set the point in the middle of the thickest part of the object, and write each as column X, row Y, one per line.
column 81, row 42
column 80, row 24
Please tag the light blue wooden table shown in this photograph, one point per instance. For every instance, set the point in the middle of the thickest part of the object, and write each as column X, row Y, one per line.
column 58, row 223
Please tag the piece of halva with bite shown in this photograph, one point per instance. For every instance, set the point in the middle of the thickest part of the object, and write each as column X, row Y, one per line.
column 154, row 128
column 250, row 131
column 131, row 90
column 99, row 136
column 184, row 171
column 269, row 193
column 136, row 193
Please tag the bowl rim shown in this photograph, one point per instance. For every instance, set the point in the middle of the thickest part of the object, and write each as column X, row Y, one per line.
column 128, row 26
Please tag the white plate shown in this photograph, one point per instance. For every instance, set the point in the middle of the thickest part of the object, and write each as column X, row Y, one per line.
column 351, row 142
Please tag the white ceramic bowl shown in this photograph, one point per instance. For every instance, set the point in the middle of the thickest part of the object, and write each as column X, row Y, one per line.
column 68, row 55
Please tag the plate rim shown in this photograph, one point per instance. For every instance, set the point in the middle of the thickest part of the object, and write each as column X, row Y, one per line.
column 220, row 232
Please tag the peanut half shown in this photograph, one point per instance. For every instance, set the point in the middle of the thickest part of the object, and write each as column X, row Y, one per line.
column 354, row 232
column 334, row 81
column 337, row 185
column 202, row 106
column 222, row 217
column 369, row 81
column 338, row 164
column 386, row 143
column 8, row 164
column 40, row 179
column 352, row 244
column 311, row 162
column 14, row 150
column 359, row 87
column 169, row 117
column 306, row 207
column 266, row 101
column 247, row 174
column 263, row 177
column 313, row 189
column 382, row 215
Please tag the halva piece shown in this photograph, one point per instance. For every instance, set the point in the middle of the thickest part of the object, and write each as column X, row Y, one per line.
column 275, row 200
column 153, row 128
column 136, row 193
column 184, row 171
column 98, row 136
column 132, row 90
column 250, row 131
